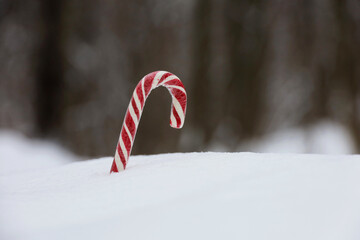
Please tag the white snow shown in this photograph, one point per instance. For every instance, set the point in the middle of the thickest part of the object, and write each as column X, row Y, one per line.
column 181, row 196
column 325, row 137
column 19, row 154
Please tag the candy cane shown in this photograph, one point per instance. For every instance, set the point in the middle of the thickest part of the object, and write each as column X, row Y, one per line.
column 136, row 106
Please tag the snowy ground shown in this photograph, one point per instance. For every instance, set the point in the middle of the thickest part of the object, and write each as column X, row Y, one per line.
column 183, row 196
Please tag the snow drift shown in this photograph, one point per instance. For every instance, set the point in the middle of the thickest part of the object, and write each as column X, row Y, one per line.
column 187, row 196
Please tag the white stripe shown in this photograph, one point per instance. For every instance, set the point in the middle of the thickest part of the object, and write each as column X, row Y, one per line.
column 173, row 120
column 118, row 162
column 128, row 132
column 143, row 88
column 133, row 115
column 177, row 87
column 157, row 78
column 137, row 101
column 169, row 78
column 123, row 148
column 178, row 110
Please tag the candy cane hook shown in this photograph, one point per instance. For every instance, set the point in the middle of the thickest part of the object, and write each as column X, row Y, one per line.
column 136, row 106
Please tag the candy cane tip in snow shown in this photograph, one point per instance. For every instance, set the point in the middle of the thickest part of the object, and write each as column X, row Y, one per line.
column 136, row 106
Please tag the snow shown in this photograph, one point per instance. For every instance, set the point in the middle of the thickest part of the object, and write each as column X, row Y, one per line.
column 179, row 196
column 19, row 154
column 325, row 137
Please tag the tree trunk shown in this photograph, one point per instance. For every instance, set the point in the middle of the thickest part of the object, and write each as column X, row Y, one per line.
column 49, row 83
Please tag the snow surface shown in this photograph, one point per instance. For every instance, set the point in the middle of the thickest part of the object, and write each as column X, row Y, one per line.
column 186, row 196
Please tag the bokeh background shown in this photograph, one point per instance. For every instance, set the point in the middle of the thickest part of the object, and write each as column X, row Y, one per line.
column 261, row 75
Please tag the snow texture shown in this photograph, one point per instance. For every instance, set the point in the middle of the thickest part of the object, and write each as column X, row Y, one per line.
column 182, row 196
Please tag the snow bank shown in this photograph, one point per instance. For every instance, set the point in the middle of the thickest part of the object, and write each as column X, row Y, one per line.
column 187, row 196
column 325, row 137
column 19, row 154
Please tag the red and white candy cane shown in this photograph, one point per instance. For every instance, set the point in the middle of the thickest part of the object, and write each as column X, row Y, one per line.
column 135, row 108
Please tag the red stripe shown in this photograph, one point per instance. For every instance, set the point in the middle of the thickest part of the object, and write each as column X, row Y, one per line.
column 176, row 115
column 175, row 82
column 148, row 82
column 135, row 108
column 130, row 124
column 114, row 167
column 140, row 94
column 126, row 141
column 180, row 96
column 122, row 157
column 164, row 77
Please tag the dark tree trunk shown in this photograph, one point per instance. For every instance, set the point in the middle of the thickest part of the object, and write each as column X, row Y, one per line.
column 49, row 82
column 200, row 113
column 246, row 44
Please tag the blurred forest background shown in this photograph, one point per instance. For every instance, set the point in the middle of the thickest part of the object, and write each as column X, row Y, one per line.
column 252, row 69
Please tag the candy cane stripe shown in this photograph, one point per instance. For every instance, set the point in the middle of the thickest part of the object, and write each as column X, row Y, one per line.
column 128, row 132
column 130, row 124
column 173, row 82
column 123, row 148
column 168, row 79
column 178, row 119
column 180, row 95
column 157, row 78
column 122, row 157
column 126, row 142
column 140, row 96
column 164, row 76
column 133, row 115
column 137, row 101
column 178, row 109
column 148, row 84
column 143, row 90
column 178, row 87
column 117, row 160
column 135, row 108
column 173, row 121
